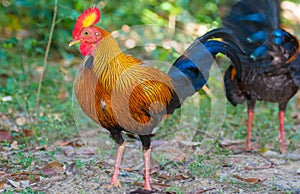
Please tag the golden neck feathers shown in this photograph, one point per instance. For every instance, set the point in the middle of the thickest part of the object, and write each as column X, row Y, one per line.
column 110, row 62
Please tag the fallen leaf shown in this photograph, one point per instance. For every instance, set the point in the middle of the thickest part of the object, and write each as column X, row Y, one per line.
column 190, row 143
column 202, row 191
column 39, row 148
column 172, row 153
column 154, row 170
column 235, row 146
column 264, row 150
column 2, row 179
column 28, row 132
column 5, row 135
column 52, row 168
column 259, row 167
column 180, row 157
column 85, row 151
column 249, row 180
column 31, row 176
column 71, row 170
column 129, row 169
column 164, row 176
column 19, row 184
column 101, row 164
column 227, row 143
column 75, row 143
column 52, row 179
column 68, row 150
column 156, row 143
column 141, row 191
column 181, row 176
column 140, row 184
column 226, row 164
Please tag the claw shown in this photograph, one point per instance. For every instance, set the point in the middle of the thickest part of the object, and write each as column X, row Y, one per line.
column 115, row 180
column 113, row 184
column 249, row 147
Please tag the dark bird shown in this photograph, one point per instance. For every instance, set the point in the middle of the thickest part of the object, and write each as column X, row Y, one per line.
column 270, row 68
column 121, row 93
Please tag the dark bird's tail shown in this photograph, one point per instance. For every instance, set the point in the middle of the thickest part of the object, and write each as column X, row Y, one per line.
column 190, row 72
column 256, row 24
column 251, row 21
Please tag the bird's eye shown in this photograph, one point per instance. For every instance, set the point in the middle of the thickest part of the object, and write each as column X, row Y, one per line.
column 86, row 33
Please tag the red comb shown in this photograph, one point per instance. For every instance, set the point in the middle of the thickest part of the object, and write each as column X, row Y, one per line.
column 88, row 18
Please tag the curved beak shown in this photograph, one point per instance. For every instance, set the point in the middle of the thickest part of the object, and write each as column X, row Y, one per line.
column 72, row 42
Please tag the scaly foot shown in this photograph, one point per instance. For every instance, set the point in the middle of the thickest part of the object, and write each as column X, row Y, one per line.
column 114, row 183
column 249, row 148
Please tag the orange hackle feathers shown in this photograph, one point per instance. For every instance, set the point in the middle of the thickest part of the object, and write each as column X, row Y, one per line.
column 88, row 18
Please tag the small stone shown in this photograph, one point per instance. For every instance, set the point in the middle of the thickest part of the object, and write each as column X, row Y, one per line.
column 293, row 156
column 68, row 151
column 21, row 121
column 270, row 153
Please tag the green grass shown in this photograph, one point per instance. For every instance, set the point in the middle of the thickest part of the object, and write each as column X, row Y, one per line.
column 27, row 190
column 176, row 189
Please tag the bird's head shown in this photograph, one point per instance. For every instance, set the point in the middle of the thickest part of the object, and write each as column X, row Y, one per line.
column 86, row 33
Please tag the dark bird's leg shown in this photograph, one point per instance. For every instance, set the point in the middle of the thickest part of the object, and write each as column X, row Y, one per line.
column 282, row 107
column 117, row 136
column 251, row 105
column 146, row 141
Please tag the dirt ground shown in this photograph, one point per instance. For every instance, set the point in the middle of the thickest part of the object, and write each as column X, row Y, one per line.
column 244, row 172
column 282, row 177
column 177, row 167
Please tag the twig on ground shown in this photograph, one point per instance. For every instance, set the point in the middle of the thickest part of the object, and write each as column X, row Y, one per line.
column 46, row 57
column 260, row 154
column 52, row 179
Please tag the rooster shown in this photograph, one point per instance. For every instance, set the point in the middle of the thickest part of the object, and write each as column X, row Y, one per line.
column 270, row 69
column 121, row 93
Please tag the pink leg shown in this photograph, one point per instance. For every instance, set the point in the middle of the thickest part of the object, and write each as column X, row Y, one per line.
column 250, row 119
column 115, row 179
column 147, row 185
column 281, row 124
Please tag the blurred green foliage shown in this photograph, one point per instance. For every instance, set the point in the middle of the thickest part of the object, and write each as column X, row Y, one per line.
column 26, row 23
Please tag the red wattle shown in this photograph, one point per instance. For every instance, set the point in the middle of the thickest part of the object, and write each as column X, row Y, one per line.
column 85, row 48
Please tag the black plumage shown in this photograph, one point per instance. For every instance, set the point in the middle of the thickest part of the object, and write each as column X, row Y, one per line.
column 270, row 67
